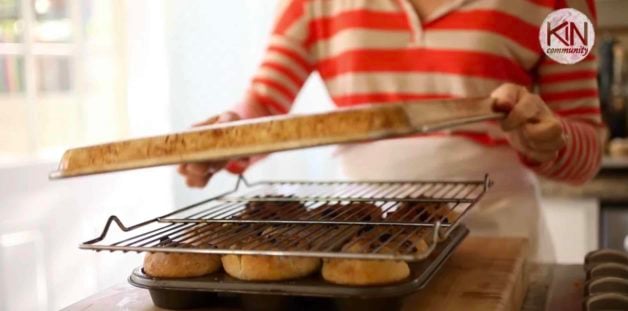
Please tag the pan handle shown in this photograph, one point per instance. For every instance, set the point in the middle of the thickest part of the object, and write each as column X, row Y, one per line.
column 462, row 121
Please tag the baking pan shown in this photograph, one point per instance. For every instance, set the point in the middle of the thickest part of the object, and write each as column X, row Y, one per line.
column 606, row 302
column 276, row 133
column 220, row 290
column 606, row 286
column 608, row 269
column 602, row 256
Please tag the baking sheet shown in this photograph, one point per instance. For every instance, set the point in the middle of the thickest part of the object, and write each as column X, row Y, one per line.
column 314, row 286
column 277, row 133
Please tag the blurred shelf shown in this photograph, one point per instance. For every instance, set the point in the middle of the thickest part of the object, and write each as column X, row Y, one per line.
column 12, row 98
column 601, row 188
column 612, row 16
column 615, row 163
column 39, row 48
column 611, row 184
column 47, row 97
column 52, row 97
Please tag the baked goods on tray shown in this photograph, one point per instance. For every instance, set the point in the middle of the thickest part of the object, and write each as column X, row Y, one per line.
column 385, row 240
column 180, row 265
column 271, row 268
column 421, row 211
column 268, row 268
column 274, row 209
column 353, row 239
column 362, row 272
column 275, row 268
column 185, row 265
column 359, row 271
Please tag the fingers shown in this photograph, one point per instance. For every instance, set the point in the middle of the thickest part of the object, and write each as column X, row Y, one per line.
column 507, row 95
column 197, row 175
column 544, row 136
column 542, row 156
column 182, row 168
column 532, row 128
column 209, row 121
column 228, row 116
column 198, row 169
column 520, row 143
column 197, row 182
column 526, row 110
column 224, row 117
column 539, row 141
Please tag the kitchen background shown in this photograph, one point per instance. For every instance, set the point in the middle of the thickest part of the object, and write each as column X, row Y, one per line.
column 89, row 71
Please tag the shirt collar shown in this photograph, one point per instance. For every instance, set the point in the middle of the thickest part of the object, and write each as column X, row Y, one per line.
column 445, row 9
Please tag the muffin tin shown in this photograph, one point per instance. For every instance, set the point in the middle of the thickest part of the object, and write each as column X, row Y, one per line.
column 606, row 286
column 311, row 293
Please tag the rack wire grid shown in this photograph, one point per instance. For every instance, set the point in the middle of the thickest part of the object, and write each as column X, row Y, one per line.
column 384, row 220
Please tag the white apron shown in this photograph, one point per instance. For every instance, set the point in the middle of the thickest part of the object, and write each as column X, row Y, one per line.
column 510, row 208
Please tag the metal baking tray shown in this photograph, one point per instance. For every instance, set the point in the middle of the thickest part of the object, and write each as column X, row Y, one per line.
column 218, row 289
column 606, row 286
column 276, row 133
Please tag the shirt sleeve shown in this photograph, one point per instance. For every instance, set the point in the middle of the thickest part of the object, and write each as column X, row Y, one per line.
column 571, row 92
column 285, row 67
column 286, row 64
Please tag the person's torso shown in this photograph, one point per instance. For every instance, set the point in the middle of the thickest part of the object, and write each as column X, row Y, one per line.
column 379, row 51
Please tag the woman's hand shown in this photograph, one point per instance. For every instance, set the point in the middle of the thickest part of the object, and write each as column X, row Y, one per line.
column 530, row 125
column 198, row 174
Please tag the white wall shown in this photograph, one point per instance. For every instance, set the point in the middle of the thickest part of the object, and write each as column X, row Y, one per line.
column 213, row 51
column 43, row 222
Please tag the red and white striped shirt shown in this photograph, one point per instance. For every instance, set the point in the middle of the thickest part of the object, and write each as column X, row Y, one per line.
column 378, row 51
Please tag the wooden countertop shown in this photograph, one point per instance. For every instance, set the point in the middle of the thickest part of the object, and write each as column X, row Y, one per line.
column 482, row 274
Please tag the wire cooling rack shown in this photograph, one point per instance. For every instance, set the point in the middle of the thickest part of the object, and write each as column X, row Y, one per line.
column 400, row 220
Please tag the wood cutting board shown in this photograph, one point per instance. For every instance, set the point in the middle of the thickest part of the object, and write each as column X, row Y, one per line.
column 482, row 274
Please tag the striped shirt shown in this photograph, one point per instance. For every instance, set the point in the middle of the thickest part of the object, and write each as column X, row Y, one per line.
column 378, row 51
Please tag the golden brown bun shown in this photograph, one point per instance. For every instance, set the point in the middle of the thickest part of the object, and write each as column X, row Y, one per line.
column 272, row 209
column 272, row 268
column 269, row 268
column 183, row 265
column 423, row 212
column 364, row 272
column 360, row 272
column 180, row 265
